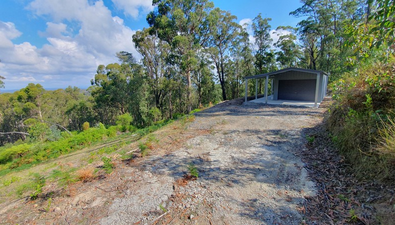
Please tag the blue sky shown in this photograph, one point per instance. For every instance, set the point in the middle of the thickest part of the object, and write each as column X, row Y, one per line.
column 58, row 43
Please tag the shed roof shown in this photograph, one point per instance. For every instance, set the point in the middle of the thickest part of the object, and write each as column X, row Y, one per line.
column 286, row 70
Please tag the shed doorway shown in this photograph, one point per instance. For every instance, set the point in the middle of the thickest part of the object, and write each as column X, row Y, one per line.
column 298, row 90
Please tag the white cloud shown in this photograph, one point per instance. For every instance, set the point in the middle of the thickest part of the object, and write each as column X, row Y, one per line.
column 56, row 30
column 246, row 23
column 81, row 35
column 131, row 7
column 7, row 33
column 276, row 34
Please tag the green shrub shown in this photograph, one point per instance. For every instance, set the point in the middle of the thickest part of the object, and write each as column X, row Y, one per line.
column 112, row 131
column 37, row 184
column 14, row 152
column 39, row 131
column 123, row 121
column 155, row 114
column 360, row 120
column 107, row 165
column 64, row 177
column 144, row 150
column 54, row 134
column 85, row 126
column 193, row 171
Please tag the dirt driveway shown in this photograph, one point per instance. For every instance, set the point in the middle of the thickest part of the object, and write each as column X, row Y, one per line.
column 247, row 166
column 248, row 173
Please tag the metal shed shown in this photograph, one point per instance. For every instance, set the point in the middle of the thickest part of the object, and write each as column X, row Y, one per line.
column 293, row 84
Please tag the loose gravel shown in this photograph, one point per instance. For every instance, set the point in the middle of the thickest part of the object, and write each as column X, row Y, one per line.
column 248, row 171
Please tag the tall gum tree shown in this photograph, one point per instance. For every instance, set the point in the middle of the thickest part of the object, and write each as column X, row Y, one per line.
column 183, row 25
column 223, row 30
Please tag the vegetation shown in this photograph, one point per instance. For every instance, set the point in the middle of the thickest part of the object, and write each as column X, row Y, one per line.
column 194, row 54
column 361, row 120
column 107, row 164
column 193, row 171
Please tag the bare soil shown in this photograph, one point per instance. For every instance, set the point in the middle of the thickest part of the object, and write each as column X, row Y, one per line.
column 250, row 171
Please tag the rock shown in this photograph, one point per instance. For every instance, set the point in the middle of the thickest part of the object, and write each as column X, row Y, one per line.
column 191, row 216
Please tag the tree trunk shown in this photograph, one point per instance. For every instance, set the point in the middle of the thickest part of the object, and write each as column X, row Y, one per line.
column 189, row 92
column 170, row 106
column 223, row 90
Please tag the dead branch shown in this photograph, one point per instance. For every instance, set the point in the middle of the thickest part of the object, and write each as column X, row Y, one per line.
column 14, row 132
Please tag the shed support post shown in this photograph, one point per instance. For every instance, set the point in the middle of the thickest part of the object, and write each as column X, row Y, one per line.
column 256, row 88
column 246, row 91
column 317, row 88
column 266, row 84
column 272, row 92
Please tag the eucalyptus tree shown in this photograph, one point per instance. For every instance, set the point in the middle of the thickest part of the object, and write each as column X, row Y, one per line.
column 241, row 63
column 154, row 54
column 183, row 25
column 264, row 57
column 223, row 31
column 323, row 34
column 203, row 80
column 289, row 52
column 118, row 89
column 263, row 41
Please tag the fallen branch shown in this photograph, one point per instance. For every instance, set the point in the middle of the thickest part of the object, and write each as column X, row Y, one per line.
column 160, row 217
column 7, row 133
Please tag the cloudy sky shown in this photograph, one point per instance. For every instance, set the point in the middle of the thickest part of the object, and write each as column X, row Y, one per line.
column 58, row 43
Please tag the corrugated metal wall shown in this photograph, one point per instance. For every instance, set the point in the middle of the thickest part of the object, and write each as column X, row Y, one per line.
column 296, row 75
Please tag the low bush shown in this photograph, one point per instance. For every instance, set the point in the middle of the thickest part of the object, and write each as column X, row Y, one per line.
column 85, row 126
column 361, row 120
column 14, row 152
column 108, row 166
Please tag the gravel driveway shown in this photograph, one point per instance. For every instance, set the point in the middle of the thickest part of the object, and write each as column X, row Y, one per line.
column 248, row 173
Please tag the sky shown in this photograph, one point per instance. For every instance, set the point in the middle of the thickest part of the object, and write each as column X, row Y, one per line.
column 60, row 43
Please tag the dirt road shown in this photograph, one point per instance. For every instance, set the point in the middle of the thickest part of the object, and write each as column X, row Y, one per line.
column 248, row 173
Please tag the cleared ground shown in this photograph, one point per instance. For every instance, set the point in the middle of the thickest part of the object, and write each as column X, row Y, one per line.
column 248, row 174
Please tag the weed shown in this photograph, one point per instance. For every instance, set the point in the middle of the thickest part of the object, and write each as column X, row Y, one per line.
column 144, row 150
column 38, row 184
column 108, row 166
column 63, row 177
column 343, row 198
column 162, row 208
column 353, row 216
column 48, row 205
column 193, row 171
column 310, row 139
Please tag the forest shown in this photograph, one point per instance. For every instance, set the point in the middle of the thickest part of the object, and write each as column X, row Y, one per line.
column 194, row 55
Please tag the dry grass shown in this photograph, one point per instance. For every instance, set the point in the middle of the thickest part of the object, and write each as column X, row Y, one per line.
column 387, row 136
column 86, row 174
